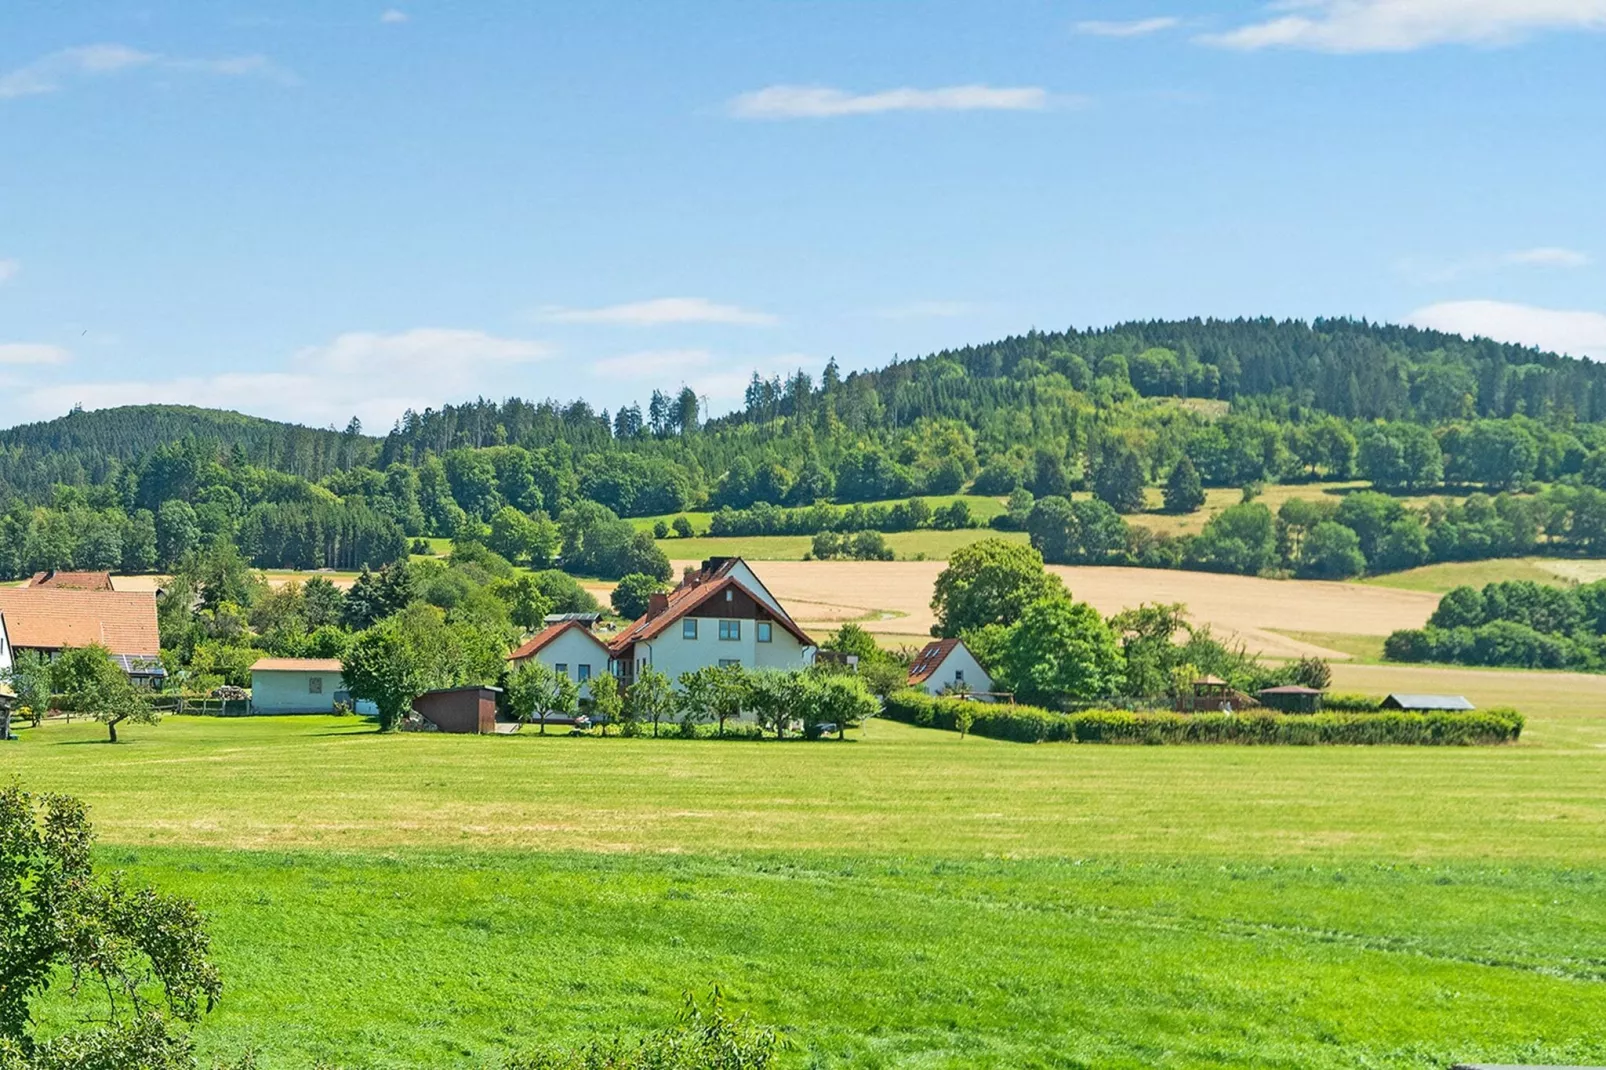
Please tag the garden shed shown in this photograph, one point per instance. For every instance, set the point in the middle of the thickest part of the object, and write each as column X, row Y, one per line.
column 295, row 685
column 1423, row 703
column 461, row 710
column 1291, row 698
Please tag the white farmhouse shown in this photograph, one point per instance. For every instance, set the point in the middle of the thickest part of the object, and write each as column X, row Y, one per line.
column 722, row 614
column 948, row 665
column 569, row 646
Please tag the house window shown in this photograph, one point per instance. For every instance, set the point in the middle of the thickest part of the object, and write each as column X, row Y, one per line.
column 314, row 685
column 729, row 663
column 688, row 628
column 959, row 676
column 583, row 673
column 730, row 629
column 562, row 668
column 764, row 631
column 730, row 596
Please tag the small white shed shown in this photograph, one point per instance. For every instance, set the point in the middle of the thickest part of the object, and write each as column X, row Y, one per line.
column 295, row 685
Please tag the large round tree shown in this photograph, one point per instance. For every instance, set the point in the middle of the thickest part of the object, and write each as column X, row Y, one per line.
column 989, row 582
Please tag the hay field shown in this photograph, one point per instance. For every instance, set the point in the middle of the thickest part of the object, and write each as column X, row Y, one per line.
column 1439, row 578
column 892, row 600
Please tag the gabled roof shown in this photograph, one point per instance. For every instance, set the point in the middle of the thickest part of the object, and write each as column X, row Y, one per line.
column 54, row 618
column 1288, row 689
column 696, row 589
column 533, row 645
column 80, row 581
column 1429, row 702
column 930, row 659
column 297, row 665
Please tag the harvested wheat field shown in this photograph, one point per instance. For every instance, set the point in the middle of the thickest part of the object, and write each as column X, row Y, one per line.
column 892, row 599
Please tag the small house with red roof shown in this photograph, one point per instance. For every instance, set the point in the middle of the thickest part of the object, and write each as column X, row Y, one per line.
column 948, row 665
column 721, row 614
column 568, row 645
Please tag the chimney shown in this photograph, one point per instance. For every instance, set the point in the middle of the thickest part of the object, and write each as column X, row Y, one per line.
column 656, row 604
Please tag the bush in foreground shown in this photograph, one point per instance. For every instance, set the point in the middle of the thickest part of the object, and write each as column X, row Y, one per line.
column 1028, row 724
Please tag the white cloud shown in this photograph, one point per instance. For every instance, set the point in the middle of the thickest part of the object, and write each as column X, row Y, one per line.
column 927, row 310
column 660, row 311
column 1578, row 334
column 819, row 102
column 393, row 16
column 1548, row 256
column 32, row 353
column 1132, row 28
column 1350, row 26
column 9, row 269
column 374, row 376
column 655, row 362
column 51, row 73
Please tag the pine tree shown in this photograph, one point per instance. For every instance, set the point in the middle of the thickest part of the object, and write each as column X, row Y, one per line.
column 1183, row 492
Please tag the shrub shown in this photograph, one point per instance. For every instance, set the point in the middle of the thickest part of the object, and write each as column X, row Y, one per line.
column 1028, row 724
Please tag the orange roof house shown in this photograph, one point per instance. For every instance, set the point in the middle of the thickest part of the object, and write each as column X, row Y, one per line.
column 948, row 665
column 78, row 581
column 50, row 619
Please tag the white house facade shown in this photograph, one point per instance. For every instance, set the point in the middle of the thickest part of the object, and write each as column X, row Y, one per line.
column 569, row 647
column 948, row 665
column 722, row 614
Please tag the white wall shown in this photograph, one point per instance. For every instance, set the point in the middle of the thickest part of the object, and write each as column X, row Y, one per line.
column 573, row 648
column 959, row 660
column 5, row 645
column 671, row 654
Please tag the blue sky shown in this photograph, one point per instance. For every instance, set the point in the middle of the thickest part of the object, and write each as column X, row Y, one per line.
column 310, row 211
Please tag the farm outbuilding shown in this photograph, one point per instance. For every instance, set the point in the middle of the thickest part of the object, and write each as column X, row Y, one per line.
column 295, row 685
column 1422, row 703
column 460, row 710
column 1291, row 698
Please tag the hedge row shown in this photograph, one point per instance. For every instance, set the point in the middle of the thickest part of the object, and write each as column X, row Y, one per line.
column 1028, row 724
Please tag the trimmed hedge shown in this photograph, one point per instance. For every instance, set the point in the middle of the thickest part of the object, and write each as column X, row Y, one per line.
column 1028, row 724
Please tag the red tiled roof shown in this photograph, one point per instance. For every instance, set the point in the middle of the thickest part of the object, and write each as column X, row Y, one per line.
column 297, row 665
column 53, row 618
column 540, row 639
column 930, row 658
column 693, row 592
column 80, row 581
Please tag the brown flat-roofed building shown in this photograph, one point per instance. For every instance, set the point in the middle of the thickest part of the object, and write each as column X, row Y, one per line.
column 462, row 710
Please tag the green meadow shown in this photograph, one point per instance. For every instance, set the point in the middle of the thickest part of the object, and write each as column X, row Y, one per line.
column 906, row 898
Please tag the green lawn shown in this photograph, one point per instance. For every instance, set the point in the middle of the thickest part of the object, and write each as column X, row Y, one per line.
column 905, row 899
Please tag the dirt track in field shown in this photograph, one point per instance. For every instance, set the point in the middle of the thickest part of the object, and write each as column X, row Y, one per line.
column 893, row 599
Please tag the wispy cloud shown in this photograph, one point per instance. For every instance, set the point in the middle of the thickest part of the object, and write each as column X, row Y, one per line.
column 1545, row 256
column 1130, row 28
column 373, row 375
column 393, row 16
column 1575, row 333
column 32, row 353
column 9, row 269
column 1351, row 26
column 915, row 310
column 54, row 72
column 658, row 312
column 823, row 102
column 655, row 362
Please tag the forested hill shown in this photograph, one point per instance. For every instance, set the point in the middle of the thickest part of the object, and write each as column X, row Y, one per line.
column 1112, row 410
column 88, row 447
column 1349, row 368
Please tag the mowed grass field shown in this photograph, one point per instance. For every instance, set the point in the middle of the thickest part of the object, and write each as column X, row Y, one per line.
column 907, row 898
